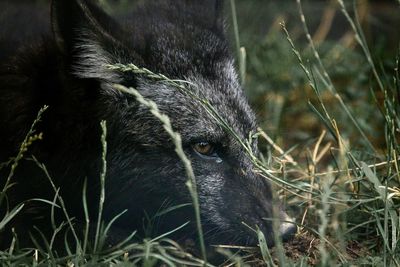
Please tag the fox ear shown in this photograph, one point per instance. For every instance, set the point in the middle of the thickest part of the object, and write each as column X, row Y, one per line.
column 73, row 18
column 88, row 38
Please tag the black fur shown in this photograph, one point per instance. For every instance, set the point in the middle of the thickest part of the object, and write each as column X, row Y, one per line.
column 65, row 69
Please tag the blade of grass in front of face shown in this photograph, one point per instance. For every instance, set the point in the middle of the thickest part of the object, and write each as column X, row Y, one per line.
column 264, row 248
column 191, row 182
column 102, row 184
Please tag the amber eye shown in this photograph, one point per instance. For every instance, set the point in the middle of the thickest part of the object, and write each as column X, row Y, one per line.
column 204, row 148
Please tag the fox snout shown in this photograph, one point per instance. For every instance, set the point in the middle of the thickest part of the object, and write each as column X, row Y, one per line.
column 246, row 203
column 274, row 219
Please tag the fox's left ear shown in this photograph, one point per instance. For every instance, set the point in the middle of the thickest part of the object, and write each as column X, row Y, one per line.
column 88, row 38
column 73, row 19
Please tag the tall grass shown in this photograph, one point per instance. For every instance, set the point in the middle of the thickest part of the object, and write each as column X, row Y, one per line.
column 367, row 190
column 30, row 137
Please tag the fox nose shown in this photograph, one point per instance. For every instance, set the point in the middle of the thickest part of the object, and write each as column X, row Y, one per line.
column 288, row 228
column 287, row 231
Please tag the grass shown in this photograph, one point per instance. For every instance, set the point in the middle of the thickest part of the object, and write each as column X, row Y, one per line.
column 332, row 122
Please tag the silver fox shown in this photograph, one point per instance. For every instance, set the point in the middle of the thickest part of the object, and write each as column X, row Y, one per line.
column 65, row 67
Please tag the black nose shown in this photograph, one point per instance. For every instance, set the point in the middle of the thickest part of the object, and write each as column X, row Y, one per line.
column 287, row 231
column 288, row 228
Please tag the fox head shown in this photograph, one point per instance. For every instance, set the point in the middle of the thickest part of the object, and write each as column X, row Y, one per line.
column 183, row 40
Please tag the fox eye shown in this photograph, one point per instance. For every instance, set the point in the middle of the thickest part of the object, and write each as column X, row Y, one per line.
column 204, row 148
